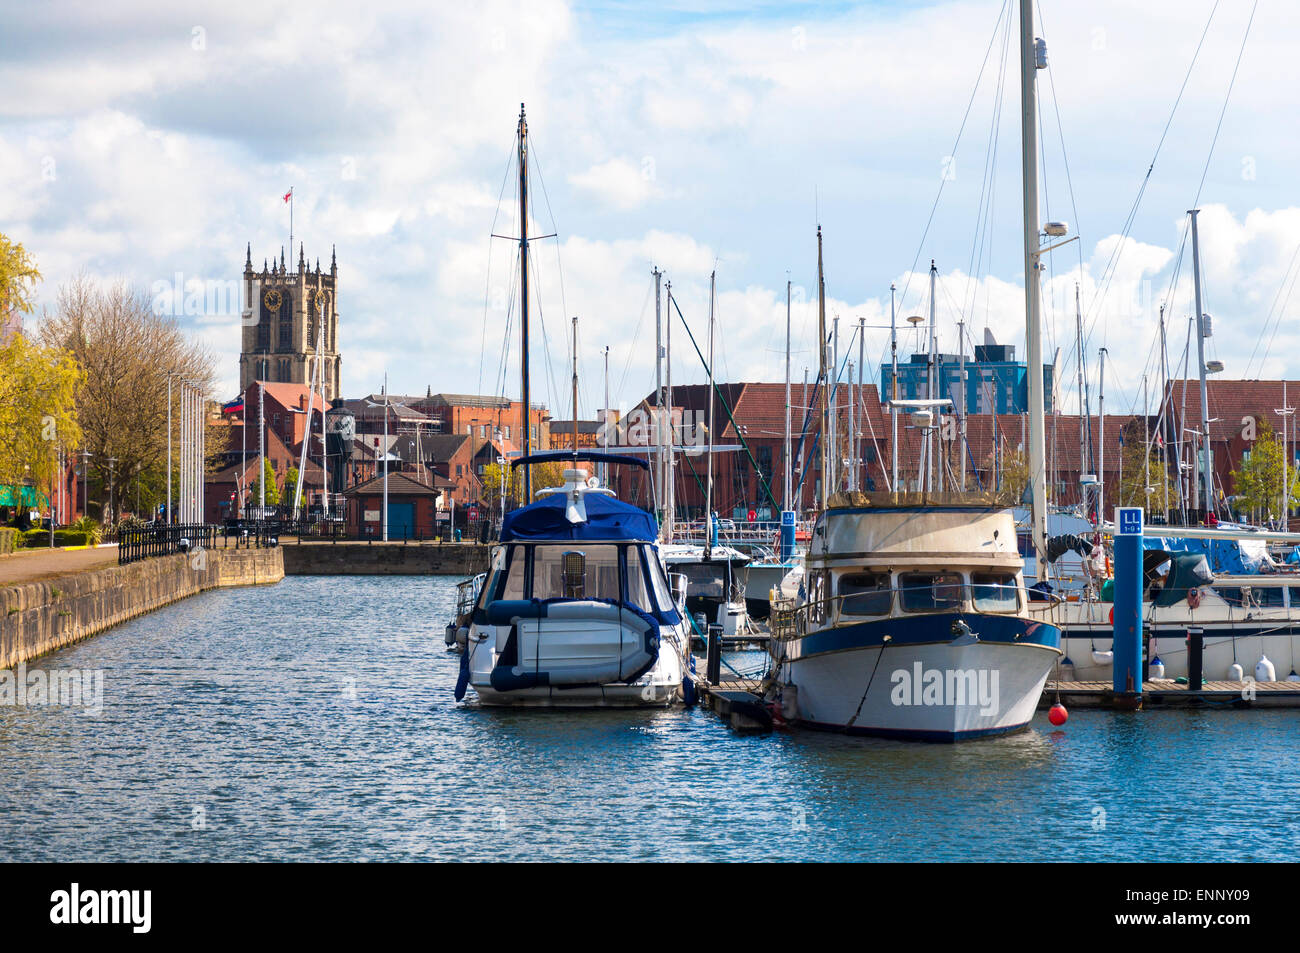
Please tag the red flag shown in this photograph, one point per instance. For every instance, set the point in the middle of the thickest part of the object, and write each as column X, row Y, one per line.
column 288, row 195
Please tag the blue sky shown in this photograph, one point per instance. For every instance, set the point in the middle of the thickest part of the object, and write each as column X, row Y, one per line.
column 141, row 140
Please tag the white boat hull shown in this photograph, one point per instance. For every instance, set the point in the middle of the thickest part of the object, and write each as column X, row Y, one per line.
column 927, row 691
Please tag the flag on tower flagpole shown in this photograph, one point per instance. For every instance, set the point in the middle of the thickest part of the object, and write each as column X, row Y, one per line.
column 288, row 199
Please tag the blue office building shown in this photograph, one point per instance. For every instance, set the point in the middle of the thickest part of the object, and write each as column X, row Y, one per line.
column 995, row 381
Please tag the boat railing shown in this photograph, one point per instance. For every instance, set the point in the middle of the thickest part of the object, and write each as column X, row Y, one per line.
column 792, row 620
column 467, row 594
column 742, row 532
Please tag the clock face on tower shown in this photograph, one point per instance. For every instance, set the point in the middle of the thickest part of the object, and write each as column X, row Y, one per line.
column 272, row 300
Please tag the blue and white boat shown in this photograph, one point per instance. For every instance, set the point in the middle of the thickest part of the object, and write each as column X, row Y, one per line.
column 576, row 610
column 915, row 624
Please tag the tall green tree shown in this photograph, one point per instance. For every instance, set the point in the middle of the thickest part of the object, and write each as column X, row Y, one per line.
column 127, row 352
column 18, row 278
column 291, row 479
column 272, row 490
column 1259, row 482
column 496, row 477
column 38, row 387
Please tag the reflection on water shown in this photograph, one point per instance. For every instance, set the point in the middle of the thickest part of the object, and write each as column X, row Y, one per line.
column 315, row 720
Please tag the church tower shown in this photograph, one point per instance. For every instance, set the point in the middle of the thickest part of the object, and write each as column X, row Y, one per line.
column 282, row 323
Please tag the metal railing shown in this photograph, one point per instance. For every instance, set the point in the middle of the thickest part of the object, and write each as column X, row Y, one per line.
column 740, row 532
column 790, row 620
column 144, row 542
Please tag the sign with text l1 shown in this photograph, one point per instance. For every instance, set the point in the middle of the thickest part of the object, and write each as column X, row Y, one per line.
column 1128, row 521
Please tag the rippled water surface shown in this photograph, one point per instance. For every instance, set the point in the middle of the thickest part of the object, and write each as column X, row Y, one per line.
column 314, row 720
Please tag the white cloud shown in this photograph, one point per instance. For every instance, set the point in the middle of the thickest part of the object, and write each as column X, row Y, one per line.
column 618, row 182
column 702, row 142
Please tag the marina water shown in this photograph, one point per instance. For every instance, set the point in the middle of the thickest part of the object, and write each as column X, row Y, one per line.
column 314, row 720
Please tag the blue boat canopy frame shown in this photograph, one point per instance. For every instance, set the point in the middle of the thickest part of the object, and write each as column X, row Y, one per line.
column 596, row 456
column 608, row 520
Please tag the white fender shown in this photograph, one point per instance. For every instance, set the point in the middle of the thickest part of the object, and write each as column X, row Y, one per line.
column 1264, row 670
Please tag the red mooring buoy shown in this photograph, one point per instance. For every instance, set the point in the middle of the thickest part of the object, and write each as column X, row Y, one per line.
column 1057, row 715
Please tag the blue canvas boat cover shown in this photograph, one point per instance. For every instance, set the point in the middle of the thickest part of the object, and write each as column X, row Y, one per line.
column 607, row 519
column 1223, row 555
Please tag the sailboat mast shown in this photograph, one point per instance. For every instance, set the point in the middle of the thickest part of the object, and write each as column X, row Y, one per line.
column 859, row 471
column 708, row 485
column 604, row 424
column 932, row 386
column 575, row 390
column 523, row 297
column 893, row 392
column 1083, row 420
column 670, row 477
column 786, row 496
column 961, row 400
column 1033, row 330
column 1101, row 438
column 837, row 455
column 1164, row 406
column 659, row 399
column 1200, row 356
column 824, row 495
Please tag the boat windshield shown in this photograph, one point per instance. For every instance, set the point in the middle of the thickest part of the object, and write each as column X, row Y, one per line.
column 995, row 592
column 600, row 578
column 865, row 593
column 705, row 579
column 930, row 591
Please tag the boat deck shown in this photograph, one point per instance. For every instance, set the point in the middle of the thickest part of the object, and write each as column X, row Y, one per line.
column 1165, row 693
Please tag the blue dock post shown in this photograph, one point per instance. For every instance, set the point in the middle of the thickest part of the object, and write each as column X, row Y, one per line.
column 787, row 535
column 1126, row 664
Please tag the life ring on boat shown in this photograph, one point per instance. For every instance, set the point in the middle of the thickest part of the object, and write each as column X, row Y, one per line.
column 1193, row 598
column 1112, row 615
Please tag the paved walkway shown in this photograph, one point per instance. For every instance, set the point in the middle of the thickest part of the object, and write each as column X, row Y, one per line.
column 35, row 565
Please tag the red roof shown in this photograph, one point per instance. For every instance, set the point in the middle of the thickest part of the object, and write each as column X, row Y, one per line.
column 1233, row 401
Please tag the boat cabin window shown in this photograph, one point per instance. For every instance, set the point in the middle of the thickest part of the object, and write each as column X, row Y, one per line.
column 658, row 582
column 995, row 592
column 706, row 579
column 816, row 597
column 1295, row 597
column 515, row 573
column 636, row 586
column 1230, row 594
column 600, row 579
column 930, row 591
column 865, row 593
column 1268, row 597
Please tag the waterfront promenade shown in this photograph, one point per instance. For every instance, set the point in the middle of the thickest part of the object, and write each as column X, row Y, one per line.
column 36, row 565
